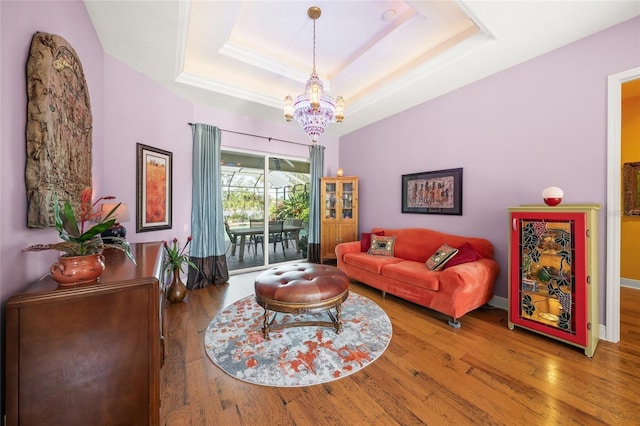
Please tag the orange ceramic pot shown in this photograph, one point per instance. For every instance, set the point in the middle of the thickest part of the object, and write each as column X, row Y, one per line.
column 73, row 270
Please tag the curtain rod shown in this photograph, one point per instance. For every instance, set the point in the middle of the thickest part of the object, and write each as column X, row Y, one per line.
column 259, row 136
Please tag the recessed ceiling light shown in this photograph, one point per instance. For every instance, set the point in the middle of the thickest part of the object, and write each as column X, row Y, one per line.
column 388, row 15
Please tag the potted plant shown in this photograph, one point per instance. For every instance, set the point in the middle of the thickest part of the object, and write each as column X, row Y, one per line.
column 175, row 258
column 296, row 205
column 303, row 244
column 82, row 260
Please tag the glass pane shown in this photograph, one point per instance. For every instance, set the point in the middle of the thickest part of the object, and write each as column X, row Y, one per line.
column 547, row 290
column 243, row 182
column 330, row 200
column 347, row 200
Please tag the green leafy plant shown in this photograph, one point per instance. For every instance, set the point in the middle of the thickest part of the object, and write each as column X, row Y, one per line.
column 296, row 205
column 176, row 257
column 76, row 241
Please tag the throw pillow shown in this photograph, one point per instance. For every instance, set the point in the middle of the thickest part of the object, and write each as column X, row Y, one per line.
column 440, row 257
column 382, row 245
column 466, row 253
column 365, row 240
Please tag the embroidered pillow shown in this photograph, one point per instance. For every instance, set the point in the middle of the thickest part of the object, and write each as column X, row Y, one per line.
column 382, row 245
column 440, row 257
column 466, row 253
column 365, row 240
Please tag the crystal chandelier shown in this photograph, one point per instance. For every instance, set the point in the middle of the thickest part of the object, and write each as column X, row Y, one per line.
column 313, row 110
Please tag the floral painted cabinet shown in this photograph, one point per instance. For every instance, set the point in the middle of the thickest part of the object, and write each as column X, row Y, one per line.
column 553, row 272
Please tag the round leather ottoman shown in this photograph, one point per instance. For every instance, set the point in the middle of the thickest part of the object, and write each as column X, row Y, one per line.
column 299, row 288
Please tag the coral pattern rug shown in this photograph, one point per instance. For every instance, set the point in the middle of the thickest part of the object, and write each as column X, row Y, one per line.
column 296, row 356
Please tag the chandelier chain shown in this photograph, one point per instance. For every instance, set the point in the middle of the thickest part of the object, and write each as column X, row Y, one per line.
column 314, row 46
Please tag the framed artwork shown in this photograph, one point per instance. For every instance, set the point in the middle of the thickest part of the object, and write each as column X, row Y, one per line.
column 154, row 182
column 437, row 192
column 631, row 188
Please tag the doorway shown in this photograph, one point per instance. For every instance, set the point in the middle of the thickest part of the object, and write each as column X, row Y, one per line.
column 264, row 208
column 613, row 214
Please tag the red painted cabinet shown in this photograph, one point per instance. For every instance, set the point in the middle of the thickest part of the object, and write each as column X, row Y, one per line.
column 553, row 272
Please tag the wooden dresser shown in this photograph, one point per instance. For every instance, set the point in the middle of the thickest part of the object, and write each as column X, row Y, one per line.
column 88, row 355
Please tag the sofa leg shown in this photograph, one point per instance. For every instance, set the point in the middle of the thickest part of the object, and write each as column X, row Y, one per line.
column 453, row 322
column 384, row 294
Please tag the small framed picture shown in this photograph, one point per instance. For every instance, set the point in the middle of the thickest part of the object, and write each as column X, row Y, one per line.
column 154, row 184
column 437, row 192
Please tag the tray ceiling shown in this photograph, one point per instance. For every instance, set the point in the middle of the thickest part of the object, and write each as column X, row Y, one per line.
column 381, row 56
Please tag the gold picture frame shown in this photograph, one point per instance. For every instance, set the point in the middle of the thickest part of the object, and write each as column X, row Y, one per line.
column 631, row 186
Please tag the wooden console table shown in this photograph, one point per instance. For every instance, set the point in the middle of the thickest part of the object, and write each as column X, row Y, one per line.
column 91, row 354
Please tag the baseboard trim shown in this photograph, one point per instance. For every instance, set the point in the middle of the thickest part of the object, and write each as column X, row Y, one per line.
column 628, row 282
column 499, row 302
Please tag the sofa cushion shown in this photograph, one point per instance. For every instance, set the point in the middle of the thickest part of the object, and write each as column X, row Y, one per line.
column 369, row 263
column 420, row 243
column 413, row 273
column 365, row 240
column 440, row 257
column 381, row 245
column 465, row 254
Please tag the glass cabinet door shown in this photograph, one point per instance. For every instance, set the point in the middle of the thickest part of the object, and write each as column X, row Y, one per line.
column 548, row 276
column 347, row 200
column 330, row 197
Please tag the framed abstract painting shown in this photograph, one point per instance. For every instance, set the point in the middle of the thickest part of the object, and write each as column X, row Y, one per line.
column 436, row 192
column 154, row 184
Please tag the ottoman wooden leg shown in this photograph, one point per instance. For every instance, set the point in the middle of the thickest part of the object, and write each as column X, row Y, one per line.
column 337, row 319
column 265, row 324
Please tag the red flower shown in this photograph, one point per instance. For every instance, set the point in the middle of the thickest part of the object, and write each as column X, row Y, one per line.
column 176, row 257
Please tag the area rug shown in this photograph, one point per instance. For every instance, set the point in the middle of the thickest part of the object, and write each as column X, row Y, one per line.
column 296, row 356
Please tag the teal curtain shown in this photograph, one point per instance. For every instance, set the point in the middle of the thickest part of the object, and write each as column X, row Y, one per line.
column 207, row 219
column 316, row 159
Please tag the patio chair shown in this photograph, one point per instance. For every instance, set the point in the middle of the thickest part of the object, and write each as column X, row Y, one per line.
column 256, row 239
column 291, row 235
column 234, row 240
column 276, row 235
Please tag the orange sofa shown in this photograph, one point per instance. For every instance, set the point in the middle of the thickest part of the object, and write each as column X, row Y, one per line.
column 453, row 291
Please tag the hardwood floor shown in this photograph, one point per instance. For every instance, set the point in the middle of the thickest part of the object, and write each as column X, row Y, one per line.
column 482, row 373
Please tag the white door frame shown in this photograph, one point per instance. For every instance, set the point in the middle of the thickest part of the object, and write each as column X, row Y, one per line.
column 613, row 214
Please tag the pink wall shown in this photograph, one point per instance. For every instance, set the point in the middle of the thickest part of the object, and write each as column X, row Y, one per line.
column 541, row 123
column 20, row 20
column 127, row 108
column 537, row 124
column 284, row 131
column 139, row 110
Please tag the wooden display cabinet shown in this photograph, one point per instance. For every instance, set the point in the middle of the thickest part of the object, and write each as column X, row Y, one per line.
column 89, row 354
column 339, row 214
column 553, row 272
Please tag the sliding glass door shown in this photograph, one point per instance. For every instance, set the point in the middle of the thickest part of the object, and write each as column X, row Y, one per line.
column 266, row 208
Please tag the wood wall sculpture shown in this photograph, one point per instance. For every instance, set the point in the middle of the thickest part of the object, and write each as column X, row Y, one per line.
column 59, row 127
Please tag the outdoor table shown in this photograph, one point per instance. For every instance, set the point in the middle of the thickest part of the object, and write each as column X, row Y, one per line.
column 259, row 230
